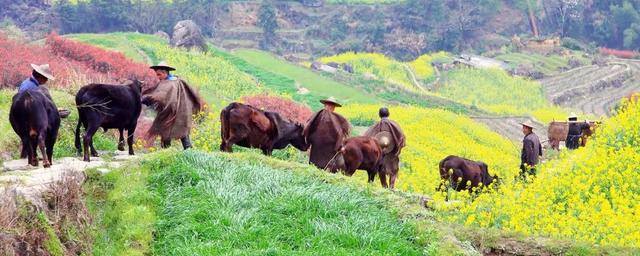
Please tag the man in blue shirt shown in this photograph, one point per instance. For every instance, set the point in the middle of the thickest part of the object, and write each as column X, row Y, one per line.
column 39, row 76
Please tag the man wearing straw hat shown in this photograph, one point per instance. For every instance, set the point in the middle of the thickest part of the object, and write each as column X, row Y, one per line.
column 40, row 75
column 575, row 132
column 176, row 103
column 531, row 150
column 391, row 139
column 325, row 132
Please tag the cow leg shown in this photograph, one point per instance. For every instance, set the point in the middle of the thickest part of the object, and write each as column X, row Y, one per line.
column 94, row 152
column 50, row 142
column 392, row 180
column 28, row 149
column 383, row 179
column 267, row 151
column 45, row 159
column 33, row 154
column 88, row 142
column 121, row 139
column 24, row 151
column 165, row 143
column 130, row 133
column 186, row 142
column 372, row 176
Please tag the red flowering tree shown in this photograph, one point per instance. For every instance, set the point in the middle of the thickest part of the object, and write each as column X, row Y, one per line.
column 113, row 64
column 289, row 109
column 16, row 59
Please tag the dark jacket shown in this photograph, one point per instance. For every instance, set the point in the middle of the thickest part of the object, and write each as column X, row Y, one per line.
column 574, row 134
column 531, row 150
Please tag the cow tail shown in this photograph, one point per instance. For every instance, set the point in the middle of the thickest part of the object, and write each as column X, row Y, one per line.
column 224, row 126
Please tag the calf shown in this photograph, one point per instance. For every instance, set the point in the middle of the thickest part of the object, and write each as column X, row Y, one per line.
column 250, row 127
column 35, row 118
column 464, row 171
column 108, row 107
column 362, row 153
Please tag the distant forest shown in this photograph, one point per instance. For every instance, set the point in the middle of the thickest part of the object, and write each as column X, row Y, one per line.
column 440, row 24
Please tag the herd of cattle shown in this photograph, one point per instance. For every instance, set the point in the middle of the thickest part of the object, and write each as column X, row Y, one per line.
column 36, row 120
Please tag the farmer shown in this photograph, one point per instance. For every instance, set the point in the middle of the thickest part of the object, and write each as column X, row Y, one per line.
column 391, row 140
column 40, row 75
column 575, row 132
column 325, row 132
column 176, row 102
column 531, row 150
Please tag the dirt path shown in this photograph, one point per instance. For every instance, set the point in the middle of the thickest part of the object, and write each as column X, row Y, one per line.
column 509, row 127
column 416, row 83
column 30, row 182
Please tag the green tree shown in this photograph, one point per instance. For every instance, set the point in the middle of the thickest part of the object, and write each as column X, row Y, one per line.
column 267, row 20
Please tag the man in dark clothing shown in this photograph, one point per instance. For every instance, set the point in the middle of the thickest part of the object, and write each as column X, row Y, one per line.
column 575, row 132
column 531, row 150
column 326, row 131
column 39, row 76
column 391, row 140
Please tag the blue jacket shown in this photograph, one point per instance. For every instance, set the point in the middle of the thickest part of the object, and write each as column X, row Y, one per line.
column 29, row 84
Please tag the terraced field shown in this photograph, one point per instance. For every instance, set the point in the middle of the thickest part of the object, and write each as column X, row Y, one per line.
column 594, row 89
column 509, row 127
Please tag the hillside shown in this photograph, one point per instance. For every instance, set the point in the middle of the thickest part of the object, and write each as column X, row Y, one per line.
column 202, row 202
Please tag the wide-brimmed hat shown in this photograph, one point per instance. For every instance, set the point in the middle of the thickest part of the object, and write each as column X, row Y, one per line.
column 331, row 100
column 385, row 141
column 528, row 124
column 573, row 115
column 43, row 70
column 163, row 65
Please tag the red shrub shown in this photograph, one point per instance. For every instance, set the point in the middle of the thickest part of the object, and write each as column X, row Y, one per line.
column 16, row 57
column 113, row 64
column 618, row 53
column 291, row 110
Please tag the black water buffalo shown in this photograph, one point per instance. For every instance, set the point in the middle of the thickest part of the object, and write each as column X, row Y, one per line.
column 35, row 118
column 250, row 127
column 464, row 171
column 108, row 107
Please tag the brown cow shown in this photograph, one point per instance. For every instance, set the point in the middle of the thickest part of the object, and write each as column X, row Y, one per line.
column 362, row 153
column 250, row 127
column 464, row 171
column 558, row 131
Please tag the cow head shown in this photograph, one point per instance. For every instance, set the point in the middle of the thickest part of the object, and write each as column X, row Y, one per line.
column 287, row 132
column 136, row 86
column 298, row 140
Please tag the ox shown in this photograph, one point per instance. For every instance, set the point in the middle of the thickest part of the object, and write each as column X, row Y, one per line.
column 35, row 118
column 464, row 171
column 250, row 127
column 108, row 107
column 559, row 130
column 362, row 153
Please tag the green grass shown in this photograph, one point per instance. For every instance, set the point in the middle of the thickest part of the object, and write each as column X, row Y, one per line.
column 123, row 210
column 115, row 43
column 316, row 83
column 276, row 82
column 243, row 204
